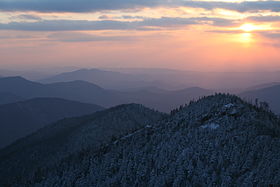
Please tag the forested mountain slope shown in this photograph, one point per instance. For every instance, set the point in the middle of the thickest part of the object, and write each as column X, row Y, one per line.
column 217, row 141
column 46, row 147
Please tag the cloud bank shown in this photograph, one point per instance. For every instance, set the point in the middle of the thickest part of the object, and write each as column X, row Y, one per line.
column 77, row 6
column 80, row 25
column 99, row 5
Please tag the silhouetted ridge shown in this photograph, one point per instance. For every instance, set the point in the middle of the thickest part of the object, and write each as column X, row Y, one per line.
column 15, row 78
column 76, row 84
column 86, row 92
column 269, row 93
column 6, row 97
column 22, row 118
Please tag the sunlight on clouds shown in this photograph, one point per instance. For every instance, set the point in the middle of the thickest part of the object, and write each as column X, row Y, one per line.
column 246, row 32
column 228, row 1
column 5, row 17
column 205, row 43
column 249, row 27
column 228, row 14
column 140, row 14
column 231, row 1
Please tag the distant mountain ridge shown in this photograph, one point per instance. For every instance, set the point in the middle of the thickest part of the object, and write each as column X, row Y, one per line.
column 22, row 118
column 221, row 81
column 6, row 98
column 269, row 93
column 136, row 78
column 262, row 86
column 76, row 90
column 34, row 73
column 86, row 92
column 106, row 79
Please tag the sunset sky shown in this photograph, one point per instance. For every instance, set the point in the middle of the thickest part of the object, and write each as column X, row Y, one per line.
column 228, row 35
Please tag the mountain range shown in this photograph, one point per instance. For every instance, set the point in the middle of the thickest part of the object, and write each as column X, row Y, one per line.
column 86, row 92
column 23, row 118
column 34, row 73
column 167, row 79
column 13, row 89
column 106, row 79
column 218, row 140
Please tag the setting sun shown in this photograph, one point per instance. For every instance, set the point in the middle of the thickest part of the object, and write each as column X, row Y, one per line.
column 248, row 27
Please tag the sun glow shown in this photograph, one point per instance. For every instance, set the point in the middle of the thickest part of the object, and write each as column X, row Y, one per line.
column 249, row 27
column 246, row 38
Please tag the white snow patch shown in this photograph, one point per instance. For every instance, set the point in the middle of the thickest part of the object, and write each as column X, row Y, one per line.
column 115, row 142
column 131, row 134
column 229, row 105
column 210, row 126
column 233, row 112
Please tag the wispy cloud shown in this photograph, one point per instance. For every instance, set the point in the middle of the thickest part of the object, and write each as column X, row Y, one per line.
column 76, row 25
column 84, row 37
column 264, row 18
column 77, row 6
column 271, row 35
column 66, row 25
column 28, row 17
column 244, row 6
